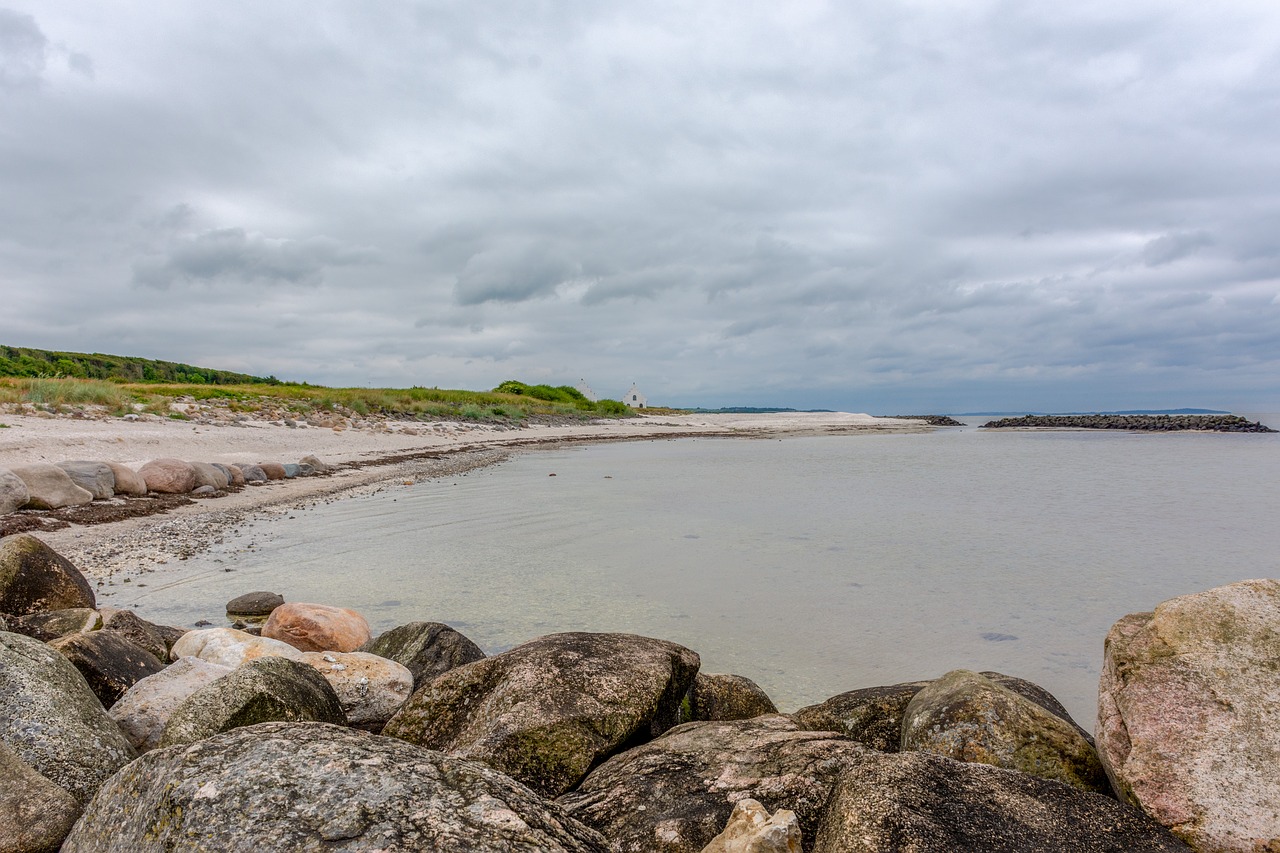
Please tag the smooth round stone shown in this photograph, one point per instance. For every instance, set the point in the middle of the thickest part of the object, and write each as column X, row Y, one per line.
column 254, row 604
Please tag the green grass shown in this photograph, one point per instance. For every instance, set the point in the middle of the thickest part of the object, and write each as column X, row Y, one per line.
column 55, row 394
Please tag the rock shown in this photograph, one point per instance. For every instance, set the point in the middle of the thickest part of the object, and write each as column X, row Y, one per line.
column 309, row 786
column 52, row 720
column 675, row 793
column 146, row 636
column 209, row 475
column 305, row 470
column 225, row 471
column 872, row 716
column 967, row 717
column 261, row 691
column 718, row 697
column 290, row 470
column 49, row 487
column 128, row 481
column 929, row 804
column 204, row 491
column 169, row 476
column 35, row 814
column 371, row 689
column 13, row 492
column 229, row 647
column 96, row 478
column 1189, row 715
column 109, row 663
column 36, row 579
column 144, row 710
column 235, row 474
column 252, row 473
column 254, row 604
column 427, row 648
column 273, row 470
column 56, row 623
column 549, row 710
column 315, row 463
column 317, row 627
column 752, row 830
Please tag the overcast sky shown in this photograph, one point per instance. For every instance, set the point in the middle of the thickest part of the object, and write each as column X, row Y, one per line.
column 875, row 206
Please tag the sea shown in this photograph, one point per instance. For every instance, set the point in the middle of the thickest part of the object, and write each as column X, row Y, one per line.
column 812, row 565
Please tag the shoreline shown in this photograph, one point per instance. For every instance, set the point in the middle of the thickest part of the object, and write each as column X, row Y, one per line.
column 363, row 460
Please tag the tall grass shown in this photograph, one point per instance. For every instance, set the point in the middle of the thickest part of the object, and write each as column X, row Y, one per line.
column 56, row 393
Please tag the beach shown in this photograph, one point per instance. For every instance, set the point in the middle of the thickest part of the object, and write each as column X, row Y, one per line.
column 370, row 454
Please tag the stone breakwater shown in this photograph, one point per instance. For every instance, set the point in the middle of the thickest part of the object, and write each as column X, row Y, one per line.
column 1142, row 423
column 293, row 728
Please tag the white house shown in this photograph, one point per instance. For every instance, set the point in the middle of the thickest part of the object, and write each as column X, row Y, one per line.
column 634, row 398
column 586, row 391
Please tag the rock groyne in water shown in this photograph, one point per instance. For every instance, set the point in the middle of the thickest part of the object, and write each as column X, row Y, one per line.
column 1137, row 423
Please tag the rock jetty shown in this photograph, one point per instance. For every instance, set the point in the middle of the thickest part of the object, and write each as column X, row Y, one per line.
column 607, row 743
column 1135, row 423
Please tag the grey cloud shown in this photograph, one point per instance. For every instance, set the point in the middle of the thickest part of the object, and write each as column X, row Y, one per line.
column 23, row 50
column 1173, row 247
column 513, row 272
column 232, row 254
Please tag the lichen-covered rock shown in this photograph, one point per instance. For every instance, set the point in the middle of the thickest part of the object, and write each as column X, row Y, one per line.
column 52, row 720
column 128, row 481
column 547, row 711
column 13, row 492
column 56, row 623
column 302, row 786
column 35, row 814
column 109, row 663
column 1189, row 715
column 254, row 604
column 49, row 487
column 872, row 716
column 370, row 688
column 317, row 627
column 34, row 578
column 925, row 803
column 968, row 717
column 675, row 793
column 428, row 649
column 94, row 477
column 751, row 829
column 169, row 476
column 269, row 689
column 229, row 647
column 719, row 696
column 145, row 708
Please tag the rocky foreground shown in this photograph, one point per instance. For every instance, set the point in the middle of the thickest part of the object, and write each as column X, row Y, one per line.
column 1136, row 423
column 301, row 731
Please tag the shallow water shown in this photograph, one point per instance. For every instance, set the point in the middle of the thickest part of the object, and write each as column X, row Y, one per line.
column 812, row 565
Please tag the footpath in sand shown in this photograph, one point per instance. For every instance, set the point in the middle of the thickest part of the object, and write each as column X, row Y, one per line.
column 378, row 453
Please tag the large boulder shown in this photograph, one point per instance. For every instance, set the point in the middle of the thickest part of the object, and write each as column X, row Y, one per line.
column 968, row 717
column 229, row 647
column 1189, row 715
column 281, row 786
column 52, row 720
column 144, row 710
column 549, row 710
column 371, row 689
column 128, row 481
column 109, row 663
column 252, row 473
column 273, row 470
column 929, row 804
column 34, row 578
column 317, row 627
column 720, row 696
column 49, row 487
column 169, row 476
column 254, row 604
column 872, row 715
column 264, row 690
column 234, row 475
column 751, row 829
column 13, row 492
column 428, row 649
column 209, row 475
column 96, row 478
column 56, row 623
column 317, row 466
column 675, row 794
column 145, row 635
column 35, row 814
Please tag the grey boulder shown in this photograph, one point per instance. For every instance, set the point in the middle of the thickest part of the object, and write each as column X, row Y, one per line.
column 254, row 604
column 35, row 814
column 719, row 697
column 56, row 623
column 13, row 492
column 109, row 663
column 210, row 475
column 144, row 710
column 676, row 793
column 49, row 487
column 96, row 478
column 310, row 786
column 872, row 715
column 547, row 711
column 145, row 635
column 428, row 649
column 252, row 473
column 34, row 578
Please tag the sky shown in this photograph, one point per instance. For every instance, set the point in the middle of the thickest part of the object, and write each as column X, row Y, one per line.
column 888, row 207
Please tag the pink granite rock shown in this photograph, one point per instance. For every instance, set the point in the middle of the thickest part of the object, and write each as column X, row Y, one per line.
column 1189, row 715
column 169, row 476
column 317, row 627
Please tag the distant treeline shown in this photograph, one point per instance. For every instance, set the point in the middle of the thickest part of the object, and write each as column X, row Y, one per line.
column 26, row 362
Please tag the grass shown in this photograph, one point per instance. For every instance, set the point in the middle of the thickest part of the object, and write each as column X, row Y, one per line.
column 55, row 394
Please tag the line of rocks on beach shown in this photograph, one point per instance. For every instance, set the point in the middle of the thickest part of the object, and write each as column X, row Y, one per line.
column 1137, row 423
column 300, row 730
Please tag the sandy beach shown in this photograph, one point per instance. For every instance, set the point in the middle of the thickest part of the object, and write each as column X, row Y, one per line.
column 377, row 454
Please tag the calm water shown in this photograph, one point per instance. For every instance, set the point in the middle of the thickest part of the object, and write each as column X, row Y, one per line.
column 813, row 565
